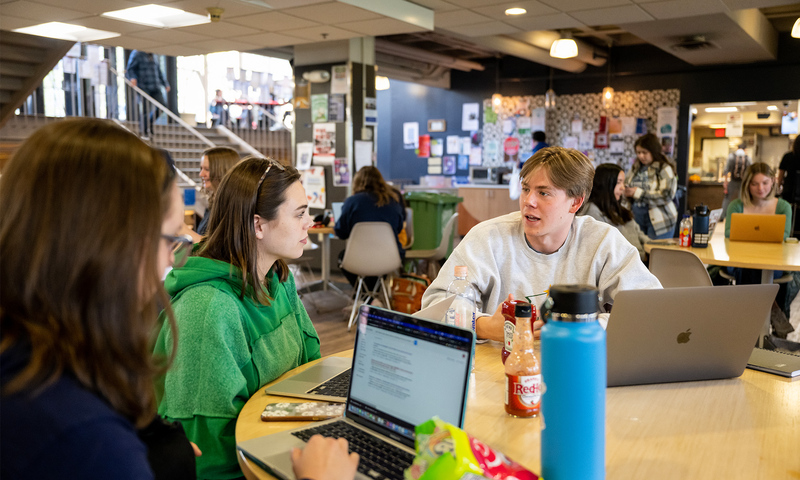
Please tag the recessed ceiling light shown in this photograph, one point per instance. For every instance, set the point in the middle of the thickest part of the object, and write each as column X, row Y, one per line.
column 158, row 16
column 66, row 31
column 516, row 11
column 796, row 29
column 721, row 109
column 772, row 107
column 717, row 125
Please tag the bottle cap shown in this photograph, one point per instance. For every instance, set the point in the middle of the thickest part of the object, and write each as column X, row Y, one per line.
column 701, row 209
column 461, row 271
column 573, row 300
column 522, row 310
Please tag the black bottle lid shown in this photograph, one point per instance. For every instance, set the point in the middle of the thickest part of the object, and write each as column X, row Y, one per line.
column 574, row 299
column 522, row 310
column 701, row 210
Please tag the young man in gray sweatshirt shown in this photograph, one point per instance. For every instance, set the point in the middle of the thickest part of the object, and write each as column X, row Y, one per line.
column 524, row 253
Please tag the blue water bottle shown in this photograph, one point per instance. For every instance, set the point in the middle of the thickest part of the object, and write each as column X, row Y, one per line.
column 573, row 358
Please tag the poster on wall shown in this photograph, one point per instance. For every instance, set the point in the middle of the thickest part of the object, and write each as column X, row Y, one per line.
column 336, row 108
column 511, row 150
column 576, row 126
column 435, row 166
column 466, row 145
column 571, row 141
column 734, row 126
column 325, row 139
column 339, row 80
column 424, row 150
column 641, row 126
column 469, row 116
column 616, row 147
column 523, row 126
column 410, row 135
column 509, row 125
column 614, row 126
column 586, row 140
column 363, row 154
column 319, row 107
column 449, row 165
column 668, row 145
column 437, row 147
column 453, row 144
column 370, row 111
column 667, row 121
column 314, row 183
column 491, row 151
column 476, row 156
column 628, row 126
column 600, row 140
column 463, row 162
column 341, row 172
column 538, row 116
column 304, row 152
column 301, row 96
column 489, row 115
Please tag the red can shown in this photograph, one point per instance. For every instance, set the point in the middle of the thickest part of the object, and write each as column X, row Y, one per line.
column 509, row 325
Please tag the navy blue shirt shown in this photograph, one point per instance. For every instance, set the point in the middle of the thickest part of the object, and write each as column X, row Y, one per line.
column 64, row 432
column 362, row 207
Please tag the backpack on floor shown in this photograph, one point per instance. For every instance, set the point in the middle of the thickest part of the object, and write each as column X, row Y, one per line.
column 407, row 290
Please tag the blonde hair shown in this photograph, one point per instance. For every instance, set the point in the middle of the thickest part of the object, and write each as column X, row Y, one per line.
column 568, row 169
column 752, row 171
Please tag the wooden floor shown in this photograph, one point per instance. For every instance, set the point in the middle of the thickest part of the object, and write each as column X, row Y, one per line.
column 325, row 310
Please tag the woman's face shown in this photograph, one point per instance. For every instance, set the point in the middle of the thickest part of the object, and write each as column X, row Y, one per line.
column 285, row 236
column 205, row 174
column 644, row 156
column 760, row 186
column 619, row 188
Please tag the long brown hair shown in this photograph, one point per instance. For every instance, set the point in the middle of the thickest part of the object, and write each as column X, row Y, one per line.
column 651, row 143
column 369, row 179
column 233, row 236
column 82, row 204
column 603, row 185
column 220, row 160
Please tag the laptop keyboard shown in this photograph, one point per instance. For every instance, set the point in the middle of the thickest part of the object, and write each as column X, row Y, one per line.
column 379, row 459
column 334, row 387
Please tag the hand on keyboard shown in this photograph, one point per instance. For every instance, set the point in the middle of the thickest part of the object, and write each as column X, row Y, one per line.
column 325, row 459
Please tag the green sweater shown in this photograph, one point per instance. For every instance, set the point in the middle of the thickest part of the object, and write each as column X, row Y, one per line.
column 782, row 208
column 227, row 350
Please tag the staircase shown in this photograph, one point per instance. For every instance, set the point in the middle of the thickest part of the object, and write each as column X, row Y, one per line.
column 186, row 149
column 24, row 61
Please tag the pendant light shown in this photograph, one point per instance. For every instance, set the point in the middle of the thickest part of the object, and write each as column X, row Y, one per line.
column 497, row 99
column 564, row 47
column 608, row 92
column 550, row 94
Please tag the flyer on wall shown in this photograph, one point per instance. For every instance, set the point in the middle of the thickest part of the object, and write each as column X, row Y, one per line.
column 304, row 152
column 336, row 108
column 324, row 139
column 410, row 135
column 339, row 80
column 314, row 184
column 469, row 116
column 319, row 107
column 341, row 172
column 370, row 111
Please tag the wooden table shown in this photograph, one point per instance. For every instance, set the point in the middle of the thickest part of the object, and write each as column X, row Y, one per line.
column 746, row 427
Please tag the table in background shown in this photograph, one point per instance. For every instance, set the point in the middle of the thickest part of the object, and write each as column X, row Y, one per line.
column 746, row 427
column 324, row 239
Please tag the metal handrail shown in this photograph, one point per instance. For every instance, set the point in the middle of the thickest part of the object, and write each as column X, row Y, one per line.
column 271, row 116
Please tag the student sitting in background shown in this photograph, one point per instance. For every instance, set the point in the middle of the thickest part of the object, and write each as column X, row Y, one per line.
column 604, row 205
column 524, row 253
column 240, row 323
column 758, row 196
column 373, row 200
column 215, row 164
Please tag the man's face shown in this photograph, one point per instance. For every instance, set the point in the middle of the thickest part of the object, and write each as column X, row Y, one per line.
column 547, row 211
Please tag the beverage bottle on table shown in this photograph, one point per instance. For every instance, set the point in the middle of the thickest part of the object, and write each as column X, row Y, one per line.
column 700, row 224
column 523, row 378
column 462, row 311
column 509, row 324
column 573, row 352
column 685, row 236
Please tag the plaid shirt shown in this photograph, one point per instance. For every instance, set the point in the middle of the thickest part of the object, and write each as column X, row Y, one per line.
column 143, row 68
column 655, row 189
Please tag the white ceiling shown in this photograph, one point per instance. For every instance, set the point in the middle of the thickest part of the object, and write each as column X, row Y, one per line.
column 248, row 25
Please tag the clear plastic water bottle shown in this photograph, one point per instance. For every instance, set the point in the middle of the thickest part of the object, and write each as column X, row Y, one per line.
column 573, row 356
column 685, row 235
column 462, row 311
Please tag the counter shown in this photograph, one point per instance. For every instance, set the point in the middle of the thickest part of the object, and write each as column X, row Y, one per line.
column 482, row 202
column 707, row 193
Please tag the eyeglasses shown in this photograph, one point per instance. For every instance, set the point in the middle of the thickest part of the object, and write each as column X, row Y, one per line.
column 271, row 164
column 181, row 247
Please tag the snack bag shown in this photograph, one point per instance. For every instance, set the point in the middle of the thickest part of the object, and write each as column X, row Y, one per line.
column 445, row 452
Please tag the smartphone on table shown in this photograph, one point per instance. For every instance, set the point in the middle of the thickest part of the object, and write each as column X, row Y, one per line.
column 301, row 412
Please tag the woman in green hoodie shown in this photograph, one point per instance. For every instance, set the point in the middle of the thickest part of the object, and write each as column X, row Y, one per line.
column 240, row 321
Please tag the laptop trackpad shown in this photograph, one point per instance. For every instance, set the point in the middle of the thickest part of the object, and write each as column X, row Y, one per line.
column 330, row 367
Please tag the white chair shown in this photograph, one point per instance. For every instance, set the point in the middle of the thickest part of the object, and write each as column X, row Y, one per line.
column 438, row 253
column 371, row 251
column 302, row 282
column 678, row 268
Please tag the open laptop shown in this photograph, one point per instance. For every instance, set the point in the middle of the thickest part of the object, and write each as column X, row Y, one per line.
column 406, row 370
column 684, row 334
column 336, row 207
column 778, row 363
column 329, row 379
column 750, row 227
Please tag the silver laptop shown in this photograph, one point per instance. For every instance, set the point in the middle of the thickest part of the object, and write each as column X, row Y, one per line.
column 779, row 363
column 329, row 379
column 684, row 334
column 393, row 389
column 337, row 210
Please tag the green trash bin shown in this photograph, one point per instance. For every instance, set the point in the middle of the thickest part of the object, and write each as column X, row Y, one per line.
column 431, row 213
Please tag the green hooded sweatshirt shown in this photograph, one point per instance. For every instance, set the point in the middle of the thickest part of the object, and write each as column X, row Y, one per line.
column 228, row 348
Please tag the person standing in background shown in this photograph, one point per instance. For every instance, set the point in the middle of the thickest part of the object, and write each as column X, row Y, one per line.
column 143, row 72
column 738, row 162
column 539, row 142
column 651, row 185
column 789, row 180
column 218, row 109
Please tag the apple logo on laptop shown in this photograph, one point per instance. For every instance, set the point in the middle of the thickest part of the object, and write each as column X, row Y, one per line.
column 758, row 228
column 683, row 337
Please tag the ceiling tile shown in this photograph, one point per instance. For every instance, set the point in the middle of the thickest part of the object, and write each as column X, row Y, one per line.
column 498, row 12
column 39, row 12
column 271, row 40
column 281, row 4
column 458, row 18
column 131, row 43
column 545, row 22
column 381, row 26
column 178, row 50
column 7, row 22
column 436, row 5
column 329, row 13
column 473, row 3
column 91, row 6
column 110, row 25
column 682, row 8
column 170, row 36
column 223, row 45
column 322, row 33
column 574, row 5
column 613, row 15
column 221, row 29
column 232, row 7
column 485, row 29
column 273, row 21
column 744, row 4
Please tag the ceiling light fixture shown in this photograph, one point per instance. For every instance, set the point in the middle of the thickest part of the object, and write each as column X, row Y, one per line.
column 721, row 109
column 516, row 11
column 772, row 107
column 796, row 29
column 157, row 16
column 550, row 95
column 381, row 83
column 67, row 31
column 497, row 99
column 564, row 47
column 608, row 92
